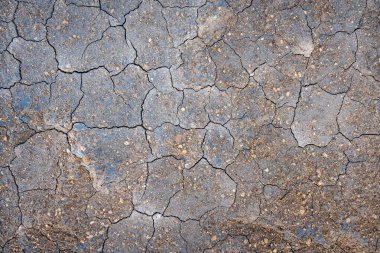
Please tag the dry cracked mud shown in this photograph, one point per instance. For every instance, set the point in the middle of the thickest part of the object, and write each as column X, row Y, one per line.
column 189, row 126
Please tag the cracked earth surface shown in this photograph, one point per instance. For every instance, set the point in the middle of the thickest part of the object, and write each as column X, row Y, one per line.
column 189, row 126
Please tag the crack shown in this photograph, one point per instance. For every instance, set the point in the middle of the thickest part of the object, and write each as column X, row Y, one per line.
column 197, row 17
column 245, row 8
column 163, row 212
column 356, row 51
column 166, row 22
column 18, row 196
column 128, row 13
column 96, row 40
column 241, row 62
column 183, row 238
column 105, row 239
column 337, row 179
column 119, row 95
column 228, row 175
column 146, row 180
column 153, row 233
column 79, row 102
column 19, row 66
column 294, row 115
column 83, row 72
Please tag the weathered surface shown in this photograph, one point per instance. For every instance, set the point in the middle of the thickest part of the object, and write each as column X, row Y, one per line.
column 162, row 96
column 170, row 140
column 218, row 146
column 229, row 69
column 154, row 46
column 7, row 33
column 189, row 126
column 9, row 70
column 181, row 22
column 104, row 95
column 315, row 116
column 123, row 236
column 192, row 112
column 47, row 106
column 204, row 189
column 37, row 164
column 9, row 213
column 197, row 69
column 164, row 179
column 36, row 59
column 111, row 154
column 31, row 18
column 167, row 237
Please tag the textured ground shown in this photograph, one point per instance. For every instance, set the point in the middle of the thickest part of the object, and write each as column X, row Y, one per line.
column 190, row 126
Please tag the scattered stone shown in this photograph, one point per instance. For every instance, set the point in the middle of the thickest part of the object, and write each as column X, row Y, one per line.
column 119, row 9
column 197, row 239
column 47, row 213
column 364, row 149
column 334, row 52
column 335, row 16
column 367, row 60
column 189, row 126
column 279, row 88
column 31, row 102
column 356, row 118
column 83, row 3
column 251, row 111
column 338, row 81
column 219, row 107
column 284, row 117
column 132, row 85
column 14, row 130
column 232, row 244
column 182, row 3
column 6, row 147
column 115, row 58
column 161, row 79
column 292, row 27
column 113, row 203
column 10, row 213
column 64, row 99
column 8, row 9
